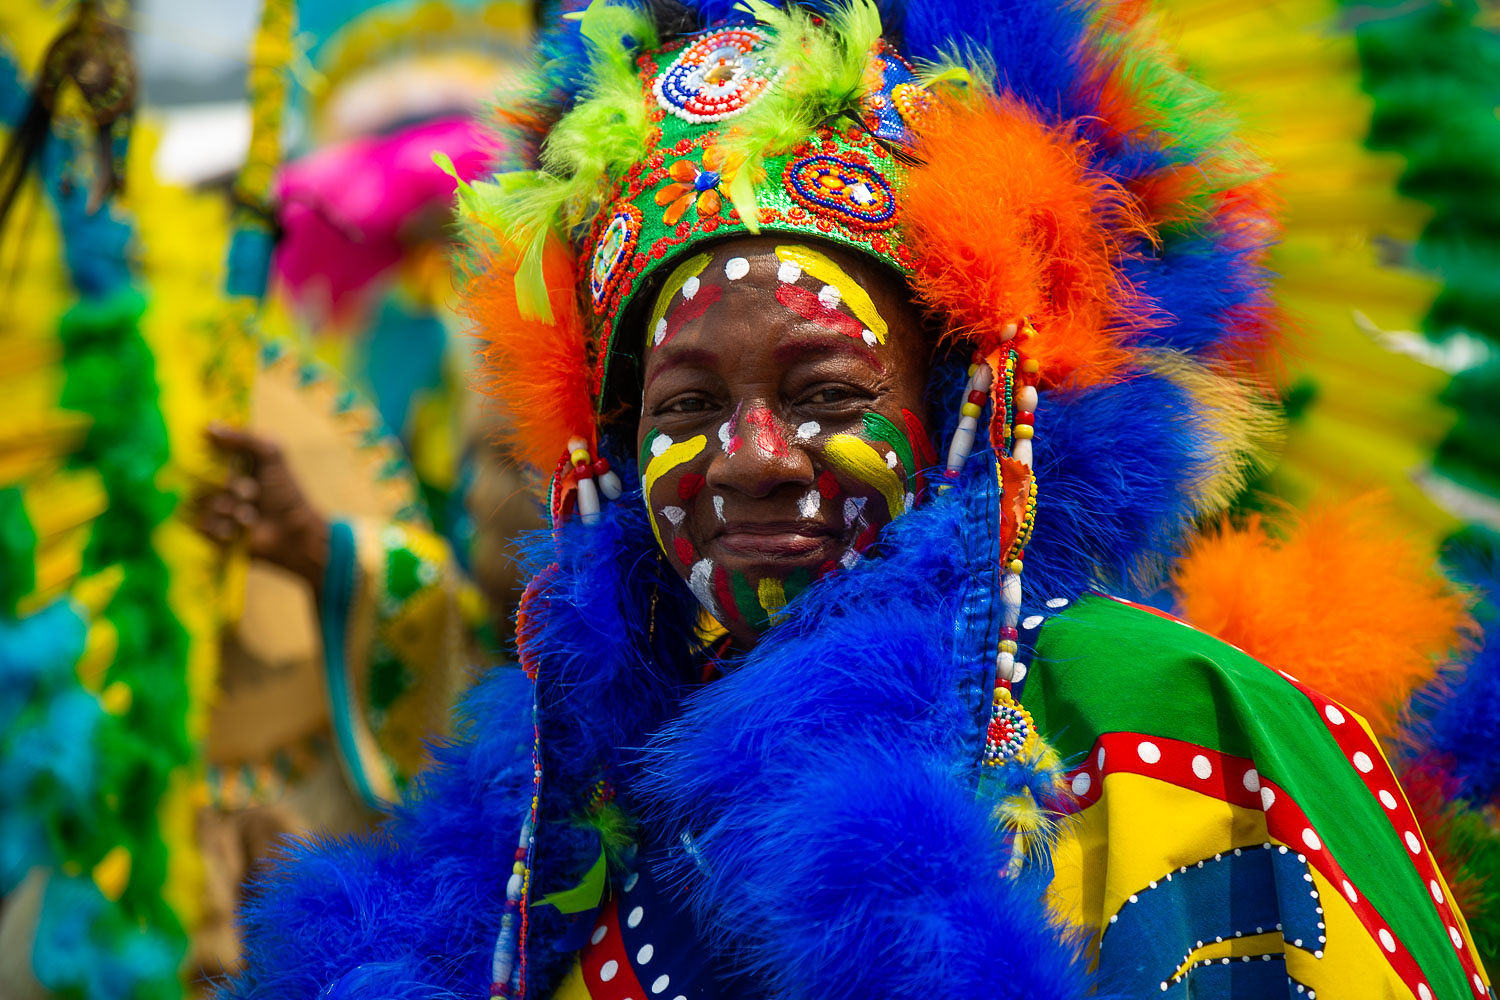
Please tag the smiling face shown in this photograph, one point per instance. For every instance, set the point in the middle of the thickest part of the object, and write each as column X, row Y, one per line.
column 782, row 422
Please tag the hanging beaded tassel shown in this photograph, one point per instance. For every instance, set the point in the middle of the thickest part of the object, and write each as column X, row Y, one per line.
column 1006, row 714
column 976, row 394
column 589, row 470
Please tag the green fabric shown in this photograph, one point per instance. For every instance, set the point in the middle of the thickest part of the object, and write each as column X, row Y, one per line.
column 1101, row 666
column 583, row 896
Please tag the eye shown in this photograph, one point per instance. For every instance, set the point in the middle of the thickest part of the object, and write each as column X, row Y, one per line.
column 685, row 404
column 834, row 394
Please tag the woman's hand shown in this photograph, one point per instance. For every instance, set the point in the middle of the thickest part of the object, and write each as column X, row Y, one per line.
column 262, row 503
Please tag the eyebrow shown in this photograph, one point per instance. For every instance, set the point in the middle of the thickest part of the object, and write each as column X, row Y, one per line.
column 804, row 347
column 676, row 357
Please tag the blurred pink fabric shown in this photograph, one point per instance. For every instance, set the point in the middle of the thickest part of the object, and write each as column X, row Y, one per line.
column 351, row 210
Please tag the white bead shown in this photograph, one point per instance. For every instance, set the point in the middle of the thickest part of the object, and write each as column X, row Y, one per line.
column 1026, row 398
column 1020, row 450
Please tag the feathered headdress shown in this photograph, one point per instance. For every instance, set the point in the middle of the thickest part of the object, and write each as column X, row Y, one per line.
column 1027, row 168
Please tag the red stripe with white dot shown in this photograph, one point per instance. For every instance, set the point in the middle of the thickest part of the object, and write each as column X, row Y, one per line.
column 1235, row 780
column 606, row 968
column 1360, row 749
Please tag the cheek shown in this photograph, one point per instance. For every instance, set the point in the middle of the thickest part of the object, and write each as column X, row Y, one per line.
column 869, row 471
column 669, row 487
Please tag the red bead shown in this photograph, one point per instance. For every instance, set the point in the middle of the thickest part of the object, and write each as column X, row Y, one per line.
column 1009, row 632
column 1026, row 417
column 978, row 398
column 601, row 466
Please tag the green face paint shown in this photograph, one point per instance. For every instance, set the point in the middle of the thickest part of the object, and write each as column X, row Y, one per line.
column 881, row 428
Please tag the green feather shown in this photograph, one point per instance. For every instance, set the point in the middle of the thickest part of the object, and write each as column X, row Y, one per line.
column 823, row 75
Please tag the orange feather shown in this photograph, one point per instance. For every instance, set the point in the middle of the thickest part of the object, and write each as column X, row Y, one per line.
column 535, row 371
column 1008, row 223
column 1341, row 602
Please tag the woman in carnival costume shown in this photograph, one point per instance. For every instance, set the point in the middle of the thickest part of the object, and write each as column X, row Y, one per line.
column 866, row 381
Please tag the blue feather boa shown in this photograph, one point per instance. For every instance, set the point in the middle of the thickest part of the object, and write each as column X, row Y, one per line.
column 827, row 783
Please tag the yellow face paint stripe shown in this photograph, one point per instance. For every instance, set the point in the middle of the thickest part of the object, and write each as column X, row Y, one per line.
column 772, row 596
column 856, row 457
column 690, row 268
column 829, row 273
column 660, row 465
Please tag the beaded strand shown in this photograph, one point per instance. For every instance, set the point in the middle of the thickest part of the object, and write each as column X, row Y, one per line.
column 1010, row 728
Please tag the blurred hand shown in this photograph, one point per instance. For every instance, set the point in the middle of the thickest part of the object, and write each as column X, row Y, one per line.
column 262, row 503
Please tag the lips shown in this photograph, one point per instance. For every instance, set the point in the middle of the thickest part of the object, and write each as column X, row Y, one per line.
column 780, row 541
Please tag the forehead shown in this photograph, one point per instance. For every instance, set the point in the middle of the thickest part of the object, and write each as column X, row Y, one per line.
column 764, row 284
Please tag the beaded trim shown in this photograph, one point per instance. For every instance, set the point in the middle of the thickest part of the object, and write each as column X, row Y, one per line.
column 717, row 77
column 616, row 244
column 855, row 194
column 1011, row 731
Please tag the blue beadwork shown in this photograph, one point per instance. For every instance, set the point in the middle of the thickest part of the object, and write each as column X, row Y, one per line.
column 861, row 195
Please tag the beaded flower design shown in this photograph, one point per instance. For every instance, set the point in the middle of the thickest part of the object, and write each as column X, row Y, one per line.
column 694, row 184
column 1010, row 732
column 717, row 77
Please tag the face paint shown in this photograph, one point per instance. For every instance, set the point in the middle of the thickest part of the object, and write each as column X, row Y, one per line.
column 700, row 582
column 880, row 428
column 739, row 354
column 664, row 458
column 688, row 269
column 771, row 595
column 856, row 457
column 808, row 505
column 852, row 293
column 767, row 436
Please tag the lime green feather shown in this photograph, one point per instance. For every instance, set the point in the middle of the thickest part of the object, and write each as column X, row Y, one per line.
column 824, row 75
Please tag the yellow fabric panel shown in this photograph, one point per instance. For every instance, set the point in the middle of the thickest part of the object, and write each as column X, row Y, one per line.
column 1352, row 965
column 1139, row 830
column 1269, row 943
column 573, row 988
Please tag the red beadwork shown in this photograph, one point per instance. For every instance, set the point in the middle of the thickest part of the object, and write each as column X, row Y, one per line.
column 978, row 398
column 1026, row 417
column 1009, row 632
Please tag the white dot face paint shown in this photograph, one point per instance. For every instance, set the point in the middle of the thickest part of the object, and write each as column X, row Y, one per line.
column 724, row 435
column 788, row 272
column 830, row 296
column 736, row 268
column 808, row 430
column 719, row 507
column 660, row 332
column 674, row 514
column 690, row 288
column 869, row 338
column 660, row 444
column 808, row 505
column 890, row 460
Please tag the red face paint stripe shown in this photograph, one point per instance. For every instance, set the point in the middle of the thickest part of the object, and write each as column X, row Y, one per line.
column 921, row 443
column 767, row 437
column 689, row 486
column 828, row 486
column 690, row 310
column 725, row 593
column 684, row 550
column 807, row 305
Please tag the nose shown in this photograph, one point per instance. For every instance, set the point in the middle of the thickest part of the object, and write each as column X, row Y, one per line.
column 757, row 454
